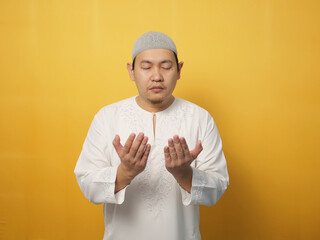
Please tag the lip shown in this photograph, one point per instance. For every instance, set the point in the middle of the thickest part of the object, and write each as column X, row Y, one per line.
column 156, row 89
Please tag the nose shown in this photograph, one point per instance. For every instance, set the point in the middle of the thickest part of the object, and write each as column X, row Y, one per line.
column 156, row 75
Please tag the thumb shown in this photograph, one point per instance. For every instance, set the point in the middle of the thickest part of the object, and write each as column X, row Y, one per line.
column 117, row 145
column 197, row 150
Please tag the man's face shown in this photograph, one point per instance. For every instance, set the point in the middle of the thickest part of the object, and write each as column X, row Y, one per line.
column 155, row 74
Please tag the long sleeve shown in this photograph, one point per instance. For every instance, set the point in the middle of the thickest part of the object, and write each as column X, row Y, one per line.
column 210, row 176
column 95, row 175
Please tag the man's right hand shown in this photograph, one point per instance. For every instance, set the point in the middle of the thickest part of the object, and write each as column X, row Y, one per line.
column 133, row 155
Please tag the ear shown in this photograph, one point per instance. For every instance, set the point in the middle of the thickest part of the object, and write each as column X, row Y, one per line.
column 130, row 71
column 180, row 65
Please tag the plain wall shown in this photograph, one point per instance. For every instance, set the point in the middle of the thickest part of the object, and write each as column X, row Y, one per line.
column 254, row 65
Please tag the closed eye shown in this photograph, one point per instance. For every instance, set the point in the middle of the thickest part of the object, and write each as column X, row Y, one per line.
column 146, row 67
column 166, row 66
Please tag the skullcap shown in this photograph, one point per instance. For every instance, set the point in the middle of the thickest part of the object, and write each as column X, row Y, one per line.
column 151, row 40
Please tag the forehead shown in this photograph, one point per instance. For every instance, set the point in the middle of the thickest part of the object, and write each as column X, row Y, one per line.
column 155, row 55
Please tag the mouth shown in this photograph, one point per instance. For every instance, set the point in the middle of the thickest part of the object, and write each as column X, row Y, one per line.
column 156, row 89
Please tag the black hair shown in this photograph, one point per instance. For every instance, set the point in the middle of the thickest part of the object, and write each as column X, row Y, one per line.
column 175, row 56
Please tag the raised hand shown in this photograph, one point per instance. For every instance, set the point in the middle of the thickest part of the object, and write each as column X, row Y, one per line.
column 133, row 155
column 178, row 159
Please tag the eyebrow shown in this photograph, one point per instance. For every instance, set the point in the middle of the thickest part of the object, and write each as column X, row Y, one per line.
column 164, row 61
column 145, row 61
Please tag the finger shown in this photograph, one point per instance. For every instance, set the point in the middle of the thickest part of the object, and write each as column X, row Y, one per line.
column 184, row 146
column 145, row 155
column 128, row 143
column 117, row 145
column 136, row 144
column 177, row 146
column 197, row 150
column 142, row 149
column 172, row 150
column 167, row 156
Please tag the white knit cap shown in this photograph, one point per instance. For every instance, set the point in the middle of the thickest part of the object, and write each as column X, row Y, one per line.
column 151, row 40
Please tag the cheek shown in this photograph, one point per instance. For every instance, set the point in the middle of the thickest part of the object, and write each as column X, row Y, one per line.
column 141, row 84
column 173, row 80
column 140, row 78
column 173, row 84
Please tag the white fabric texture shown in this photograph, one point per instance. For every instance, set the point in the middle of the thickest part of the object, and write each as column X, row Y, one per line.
column 153, row 206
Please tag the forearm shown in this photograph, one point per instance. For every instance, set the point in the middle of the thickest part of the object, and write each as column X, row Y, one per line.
column 185, row 179
column 122, row 179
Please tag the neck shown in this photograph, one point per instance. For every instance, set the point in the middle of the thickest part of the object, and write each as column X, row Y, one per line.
column 154, row 107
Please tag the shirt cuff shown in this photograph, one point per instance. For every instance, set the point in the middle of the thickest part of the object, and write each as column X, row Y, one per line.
column 120, row 196
column 107, row 178
column 186, row 197
column 198, row 182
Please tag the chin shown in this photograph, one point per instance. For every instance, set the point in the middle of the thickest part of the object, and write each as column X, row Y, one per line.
column 156, row 100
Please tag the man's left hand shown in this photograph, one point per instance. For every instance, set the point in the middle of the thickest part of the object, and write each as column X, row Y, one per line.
column 178, row 159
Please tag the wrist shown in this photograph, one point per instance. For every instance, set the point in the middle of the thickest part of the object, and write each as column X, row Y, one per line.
column 185, row 179
column 125, row 174
column 184, row 174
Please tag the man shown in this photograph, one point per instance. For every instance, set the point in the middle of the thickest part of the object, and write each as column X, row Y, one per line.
column 136, row 158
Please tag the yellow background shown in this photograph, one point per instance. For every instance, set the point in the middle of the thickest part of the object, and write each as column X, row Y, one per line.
column 254, row 65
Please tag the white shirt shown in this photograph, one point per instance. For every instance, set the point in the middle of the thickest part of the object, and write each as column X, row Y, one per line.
column 153, row 206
